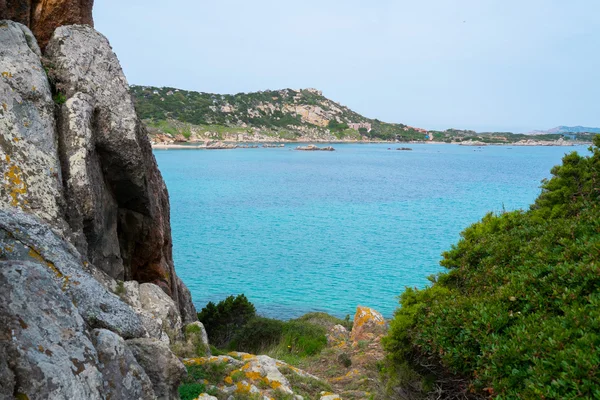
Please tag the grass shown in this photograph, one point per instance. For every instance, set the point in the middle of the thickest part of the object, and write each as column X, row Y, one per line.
column 307, row 387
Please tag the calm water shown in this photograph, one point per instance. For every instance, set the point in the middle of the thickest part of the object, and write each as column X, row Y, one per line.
column 305, row 231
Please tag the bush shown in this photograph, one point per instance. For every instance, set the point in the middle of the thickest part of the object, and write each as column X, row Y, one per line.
column 223, row 320
column 258, row 335
column 190, row 391
column 304, row 339
column 517, row 315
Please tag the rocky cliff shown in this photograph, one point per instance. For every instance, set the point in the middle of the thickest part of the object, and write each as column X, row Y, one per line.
column 44, row 16
column 90, row 300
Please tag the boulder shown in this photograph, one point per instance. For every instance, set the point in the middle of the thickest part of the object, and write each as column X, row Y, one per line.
column 29, row 163
column 123, row 377
column 45, row 341
column 163, row 368
column 43, row 17
column 337, row 336
column 205, row 396
column 23, row 237
column 368, row 324
column 156, row 310
column 196, row 335
column 114, row 187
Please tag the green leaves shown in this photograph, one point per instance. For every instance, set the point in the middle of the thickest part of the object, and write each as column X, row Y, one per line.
column 518, row 310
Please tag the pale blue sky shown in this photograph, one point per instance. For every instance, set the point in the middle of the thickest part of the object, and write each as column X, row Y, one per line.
column 479, row 64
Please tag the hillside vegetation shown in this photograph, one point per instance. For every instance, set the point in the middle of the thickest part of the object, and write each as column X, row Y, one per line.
column 276, row 114
column 517, row 314
column 287, row 115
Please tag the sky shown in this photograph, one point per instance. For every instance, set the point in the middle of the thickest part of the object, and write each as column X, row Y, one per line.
column 486, row 65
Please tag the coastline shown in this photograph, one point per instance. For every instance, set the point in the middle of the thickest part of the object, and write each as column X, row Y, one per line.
column 230, row 145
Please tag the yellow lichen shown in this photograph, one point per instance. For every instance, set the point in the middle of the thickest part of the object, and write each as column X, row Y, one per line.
column 228, row 380
column 7, row 74
column 37, row 256
column 253, row 375
column 242, row 387
column 194, row 361
column 274, row 384
column 16, row 185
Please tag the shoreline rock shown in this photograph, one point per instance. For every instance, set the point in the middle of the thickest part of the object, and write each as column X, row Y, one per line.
column 312, row 147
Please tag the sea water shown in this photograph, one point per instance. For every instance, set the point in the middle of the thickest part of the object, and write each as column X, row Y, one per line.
column 300, row 231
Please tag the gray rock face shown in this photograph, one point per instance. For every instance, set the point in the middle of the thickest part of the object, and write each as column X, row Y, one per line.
column 29, row 164
column 164, row 369
column 156, row 310
column 93, row 217
column 123, row 377
column 113, row 183
column 25, row 238
column 48, row 350
column 79, row 183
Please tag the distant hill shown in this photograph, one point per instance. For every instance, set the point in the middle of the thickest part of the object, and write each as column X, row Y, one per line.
column 271, row 115
column 567, row 129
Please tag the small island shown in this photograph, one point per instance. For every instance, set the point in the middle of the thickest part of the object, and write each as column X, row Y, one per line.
column 312, row 147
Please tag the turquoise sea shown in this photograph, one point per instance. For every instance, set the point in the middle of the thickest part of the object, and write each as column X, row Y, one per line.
column 326, row 231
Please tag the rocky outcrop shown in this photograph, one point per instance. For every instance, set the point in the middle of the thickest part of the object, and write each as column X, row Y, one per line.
column 44, row 16
column 156, row 310
column 119, row 203
column 337, row 336
column 257, row 376
column 82, row 207
column 123, row 377
column 48, row 349
column 312, row 147
column 163, row 368
column 368, row 324
column 29, row 167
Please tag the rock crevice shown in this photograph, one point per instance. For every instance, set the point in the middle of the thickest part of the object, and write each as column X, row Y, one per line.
column 83, row 207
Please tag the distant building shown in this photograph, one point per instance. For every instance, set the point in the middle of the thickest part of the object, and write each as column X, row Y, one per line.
column 357, row 126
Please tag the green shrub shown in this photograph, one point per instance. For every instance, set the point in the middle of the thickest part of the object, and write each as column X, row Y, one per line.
column 59, row 98
column 325, row 320
column 189, row 391
column 223, row 320
column 517, row 315
column 304, row 339
column 258, row 335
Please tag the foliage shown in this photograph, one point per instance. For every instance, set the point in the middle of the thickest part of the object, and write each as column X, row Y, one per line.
column 517, row 314
column 258, row 335
column 273, row 111
column 193, row 384
column 305, row 386
column 223, row 320
column 190, row 391
column 59, row 98
column 325, row 320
